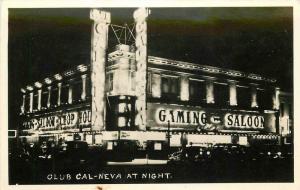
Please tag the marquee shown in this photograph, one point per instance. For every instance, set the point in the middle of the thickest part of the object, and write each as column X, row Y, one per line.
column 187, row 117
column 56, row 121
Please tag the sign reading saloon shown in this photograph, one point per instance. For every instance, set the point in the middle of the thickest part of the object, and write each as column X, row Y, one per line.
column 193, row 117
column 243, row 121
column 59, row 121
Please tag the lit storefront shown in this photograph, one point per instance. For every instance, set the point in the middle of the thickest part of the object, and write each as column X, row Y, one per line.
column 286, row 117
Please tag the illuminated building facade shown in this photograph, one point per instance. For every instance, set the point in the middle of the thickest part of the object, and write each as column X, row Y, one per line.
column 133, row 96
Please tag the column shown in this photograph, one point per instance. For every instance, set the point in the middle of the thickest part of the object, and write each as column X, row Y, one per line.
column 275, row 98
column 184, row 88
column 140, row 17
column 23, row 101
column 254, row 96
column 39, row 101
column 156, row 85
column 101, row 21
column 49, row 97
column 39, row 85
column 210, row 92
column 31, row 102
column 58, row 93
column 275, row 106
column 23, row 104
column 232, row 93
column 70, row 93
column 83, row 92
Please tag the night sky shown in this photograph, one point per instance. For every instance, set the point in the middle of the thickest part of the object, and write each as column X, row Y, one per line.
column 44, row 42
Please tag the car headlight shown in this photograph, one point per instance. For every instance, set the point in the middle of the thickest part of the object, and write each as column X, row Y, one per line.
column 208, row 152
column 269, row 153
column 201, row 153
column 279, row 153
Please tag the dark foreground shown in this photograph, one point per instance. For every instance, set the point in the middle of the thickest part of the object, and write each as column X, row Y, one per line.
column 215, row 170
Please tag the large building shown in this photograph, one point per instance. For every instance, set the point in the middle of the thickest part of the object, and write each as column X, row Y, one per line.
column 154, row 101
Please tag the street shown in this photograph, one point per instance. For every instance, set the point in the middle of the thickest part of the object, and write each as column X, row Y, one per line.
column 217, row 170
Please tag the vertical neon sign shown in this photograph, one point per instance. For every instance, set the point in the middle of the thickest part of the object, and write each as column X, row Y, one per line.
column 98, row 58
column 140, row 15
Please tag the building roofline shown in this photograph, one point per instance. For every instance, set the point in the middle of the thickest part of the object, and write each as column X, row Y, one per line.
column 284, row 93
column 207, row 69
column 166, row 62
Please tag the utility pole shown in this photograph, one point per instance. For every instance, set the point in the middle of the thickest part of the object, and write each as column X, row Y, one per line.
column 169, row 137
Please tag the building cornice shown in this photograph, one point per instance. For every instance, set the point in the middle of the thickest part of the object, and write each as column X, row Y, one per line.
column 56, row 77
column 207, row 69
column 161, row 61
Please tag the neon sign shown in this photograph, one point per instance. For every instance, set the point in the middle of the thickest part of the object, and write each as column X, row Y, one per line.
column 62, row 121
column 182, row 117
column 243, row 121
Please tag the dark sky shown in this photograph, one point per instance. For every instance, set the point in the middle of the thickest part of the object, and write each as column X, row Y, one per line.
column 259, row 40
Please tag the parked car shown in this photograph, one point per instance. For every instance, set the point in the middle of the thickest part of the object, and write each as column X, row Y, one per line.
column 191, row 154
column 265, row 152
column 176, row 157
column 76, row 152
column 204, row 154
column 287, row 151
column 121, row 150
column 229, row 151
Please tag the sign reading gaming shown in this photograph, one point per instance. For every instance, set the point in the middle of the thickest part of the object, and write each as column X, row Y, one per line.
column 191, row 117
column 182, row 117
column 59, row 121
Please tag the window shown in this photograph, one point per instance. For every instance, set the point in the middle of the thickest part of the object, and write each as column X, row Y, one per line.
column 54, row 96
column 64, row 93
column 281, row 109
column 35, row 100
column 165, row 85
column 170, row 87
column 221, row 94
column 197, row 90
column 264, row 99
column 88, row 87
column 243, row 97
column 77, row 89
column 27, row 103
column 45, row 93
